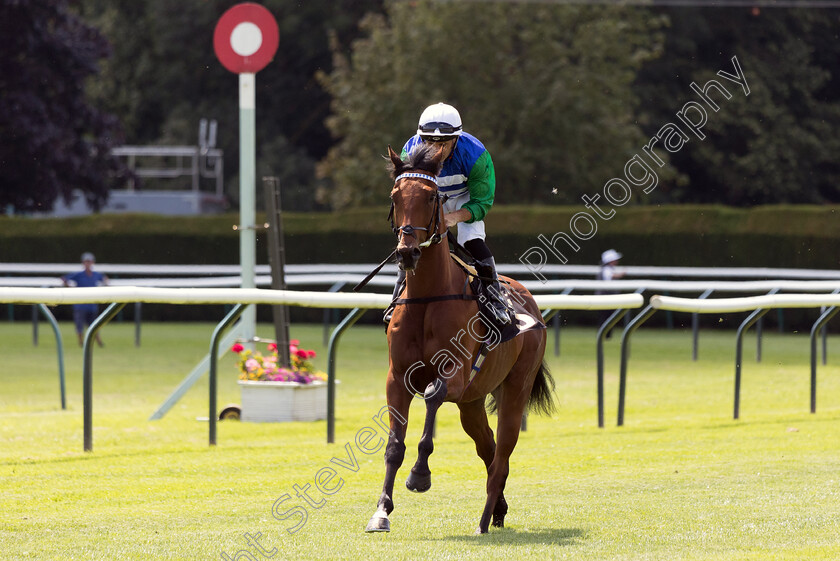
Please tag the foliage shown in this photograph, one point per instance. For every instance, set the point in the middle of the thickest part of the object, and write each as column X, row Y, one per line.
column 562, row 95
column 777, row 145
column 52, row 139
column 254, row 366
column 547, row 88
column 164, row 77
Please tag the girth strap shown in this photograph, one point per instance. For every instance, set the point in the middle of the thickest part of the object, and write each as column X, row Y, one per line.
column 427, row 299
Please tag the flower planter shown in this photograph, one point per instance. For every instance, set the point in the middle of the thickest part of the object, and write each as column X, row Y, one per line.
column 265, row 402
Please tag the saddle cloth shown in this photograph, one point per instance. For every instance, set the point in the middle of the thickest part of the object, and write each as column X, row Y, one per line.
column 524, row 320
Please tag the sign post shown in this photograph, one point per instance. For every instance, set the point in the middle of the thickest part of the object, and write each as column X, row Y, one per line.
column 245, row 41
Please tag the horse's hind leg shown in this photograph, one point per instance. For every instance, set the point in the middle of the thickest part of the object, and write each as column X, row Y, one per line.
column 474, row 421
column 510, row 420
column 420, row 478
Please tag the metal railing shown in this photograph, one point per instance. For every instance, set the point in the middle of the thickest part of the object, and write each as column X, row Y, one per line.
column 119, row 296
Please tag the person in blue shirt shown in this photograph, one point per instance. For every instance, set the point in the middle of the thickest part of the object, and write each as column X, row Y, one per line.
column 469, row 179
column 85, row 314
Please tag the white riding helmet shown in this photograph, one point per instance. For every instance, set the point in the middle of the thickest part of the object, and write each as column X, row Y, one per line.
column 439, row 122
column 609, row 256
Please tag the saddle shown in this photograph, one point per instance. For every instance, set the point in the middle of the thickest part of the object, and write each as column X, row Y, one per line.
column 524, row 320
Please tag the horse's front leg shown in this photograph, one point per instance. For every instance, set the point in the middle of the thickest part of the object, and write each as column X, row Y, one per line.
column 420, row 478
column 398, row 402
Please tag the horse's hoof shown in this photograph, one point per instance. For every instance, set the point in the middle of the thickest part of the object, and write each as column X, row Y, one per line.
column 379, row 523
column 478, row 532
column 498, row 523
column 418, row 483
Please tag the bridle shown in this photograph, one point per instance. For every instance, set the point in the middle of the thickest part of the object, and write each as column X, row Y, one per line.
column 434, row 221
column 410, row 230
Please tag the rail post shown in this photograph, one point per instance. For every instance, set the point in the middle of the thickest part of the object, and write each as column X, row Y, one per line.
column 87, row 374
column 328, row 311
column 345, row 324
column 59, row 350
column 818, row 326
column 231, row 317
column 610, row 322
column 634, row 324
column 695, row 327
column 739, row 344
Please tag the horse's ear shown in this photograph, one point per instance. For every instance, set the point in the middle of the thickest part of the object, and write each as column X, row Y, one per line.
column 395, row 158
column 438, row 157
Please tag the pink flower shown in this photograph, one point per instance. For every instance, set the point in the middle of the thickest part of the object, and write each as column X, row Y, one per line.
column 237, row 348
column 294, row 342
column 252, row 364
column 272, row 347
column 293, row 349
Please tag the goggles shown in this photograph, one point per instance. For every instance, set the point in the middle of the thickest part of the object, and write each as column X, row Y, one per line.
column 438, row 129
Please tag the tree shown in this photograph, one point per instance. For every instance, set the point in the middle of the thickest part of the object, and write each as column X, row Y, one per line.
column 52, row 140
column 164, row 77
column 777, row 145
column 547, row 88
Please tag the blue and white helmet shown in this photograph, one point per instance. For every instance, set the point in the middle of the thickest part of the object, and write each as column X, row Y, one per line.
column 439, row 122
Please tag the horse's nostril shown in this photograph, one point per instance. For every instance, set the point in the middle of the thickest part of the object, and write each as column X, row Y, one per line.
column 407, row 257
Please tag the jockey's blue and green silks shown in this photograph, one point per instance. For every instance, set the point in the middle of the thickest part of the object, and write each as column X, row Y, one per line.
column 468, row 169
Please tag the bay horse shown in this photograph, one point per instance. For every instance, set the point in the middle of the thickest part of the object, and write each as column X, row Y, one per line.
column 429, row 347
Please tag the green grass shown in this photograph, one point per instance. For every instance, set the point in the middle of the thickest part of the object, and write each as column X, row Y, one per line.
column 681, row 480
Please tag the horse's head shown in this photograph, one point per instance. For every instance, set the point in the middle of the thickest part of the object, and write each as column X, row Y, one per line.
column 416, row 209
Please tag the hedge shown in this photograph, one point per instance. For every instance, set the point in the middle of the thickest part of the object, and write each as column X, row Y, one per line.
column 686, row 235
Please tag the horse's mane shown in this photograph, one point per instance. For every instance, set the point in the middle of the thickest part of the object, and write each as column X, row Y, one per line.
column 424, row 158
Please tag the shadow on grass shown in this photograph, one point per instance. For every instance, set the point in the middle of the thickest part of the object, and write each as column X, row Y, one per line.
column 513, row 536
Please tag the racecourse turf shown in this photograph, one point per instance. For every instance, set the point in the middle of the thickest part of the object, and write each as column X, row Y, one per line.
column 681, row 479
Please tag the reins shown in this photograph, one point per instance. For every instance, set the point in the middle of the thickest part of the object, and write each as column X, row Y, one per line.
column 373, row 273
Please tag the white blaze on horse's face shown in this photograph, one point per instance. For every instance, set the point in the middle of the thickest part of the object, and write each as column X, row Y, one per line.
column 414, row 208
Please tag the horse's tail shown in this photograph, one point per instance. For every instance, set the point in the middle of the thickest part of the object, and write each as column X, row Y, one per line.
column 542, row 392
column 541, row 399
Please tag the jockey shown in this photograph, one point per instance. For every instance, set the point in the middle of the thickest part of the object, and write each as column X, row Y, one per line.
column 468, row 178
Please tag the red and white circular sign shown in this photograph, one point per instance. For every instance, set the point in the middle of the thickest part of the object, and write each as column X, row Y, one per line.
column 246, row 38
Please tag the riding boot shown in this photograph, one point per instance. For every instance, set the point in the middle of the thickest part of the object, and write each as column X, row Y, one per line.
column 398, row 289
column 493, row 291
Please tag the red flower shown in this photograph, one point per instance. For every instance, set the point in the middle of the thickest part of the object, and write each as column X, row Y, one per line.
column 237, row 348
column 302, row 353
column 272, row 347
column 294, row 342
column 310, row 354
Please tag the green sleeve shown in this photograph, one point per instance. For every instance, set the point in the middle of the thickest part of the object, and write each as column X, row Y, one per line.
column 482, row 186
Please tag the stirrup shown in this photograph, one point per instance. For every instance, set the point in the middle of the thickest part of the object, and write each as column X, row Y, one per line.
column 503, row 317
column 500, row 311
